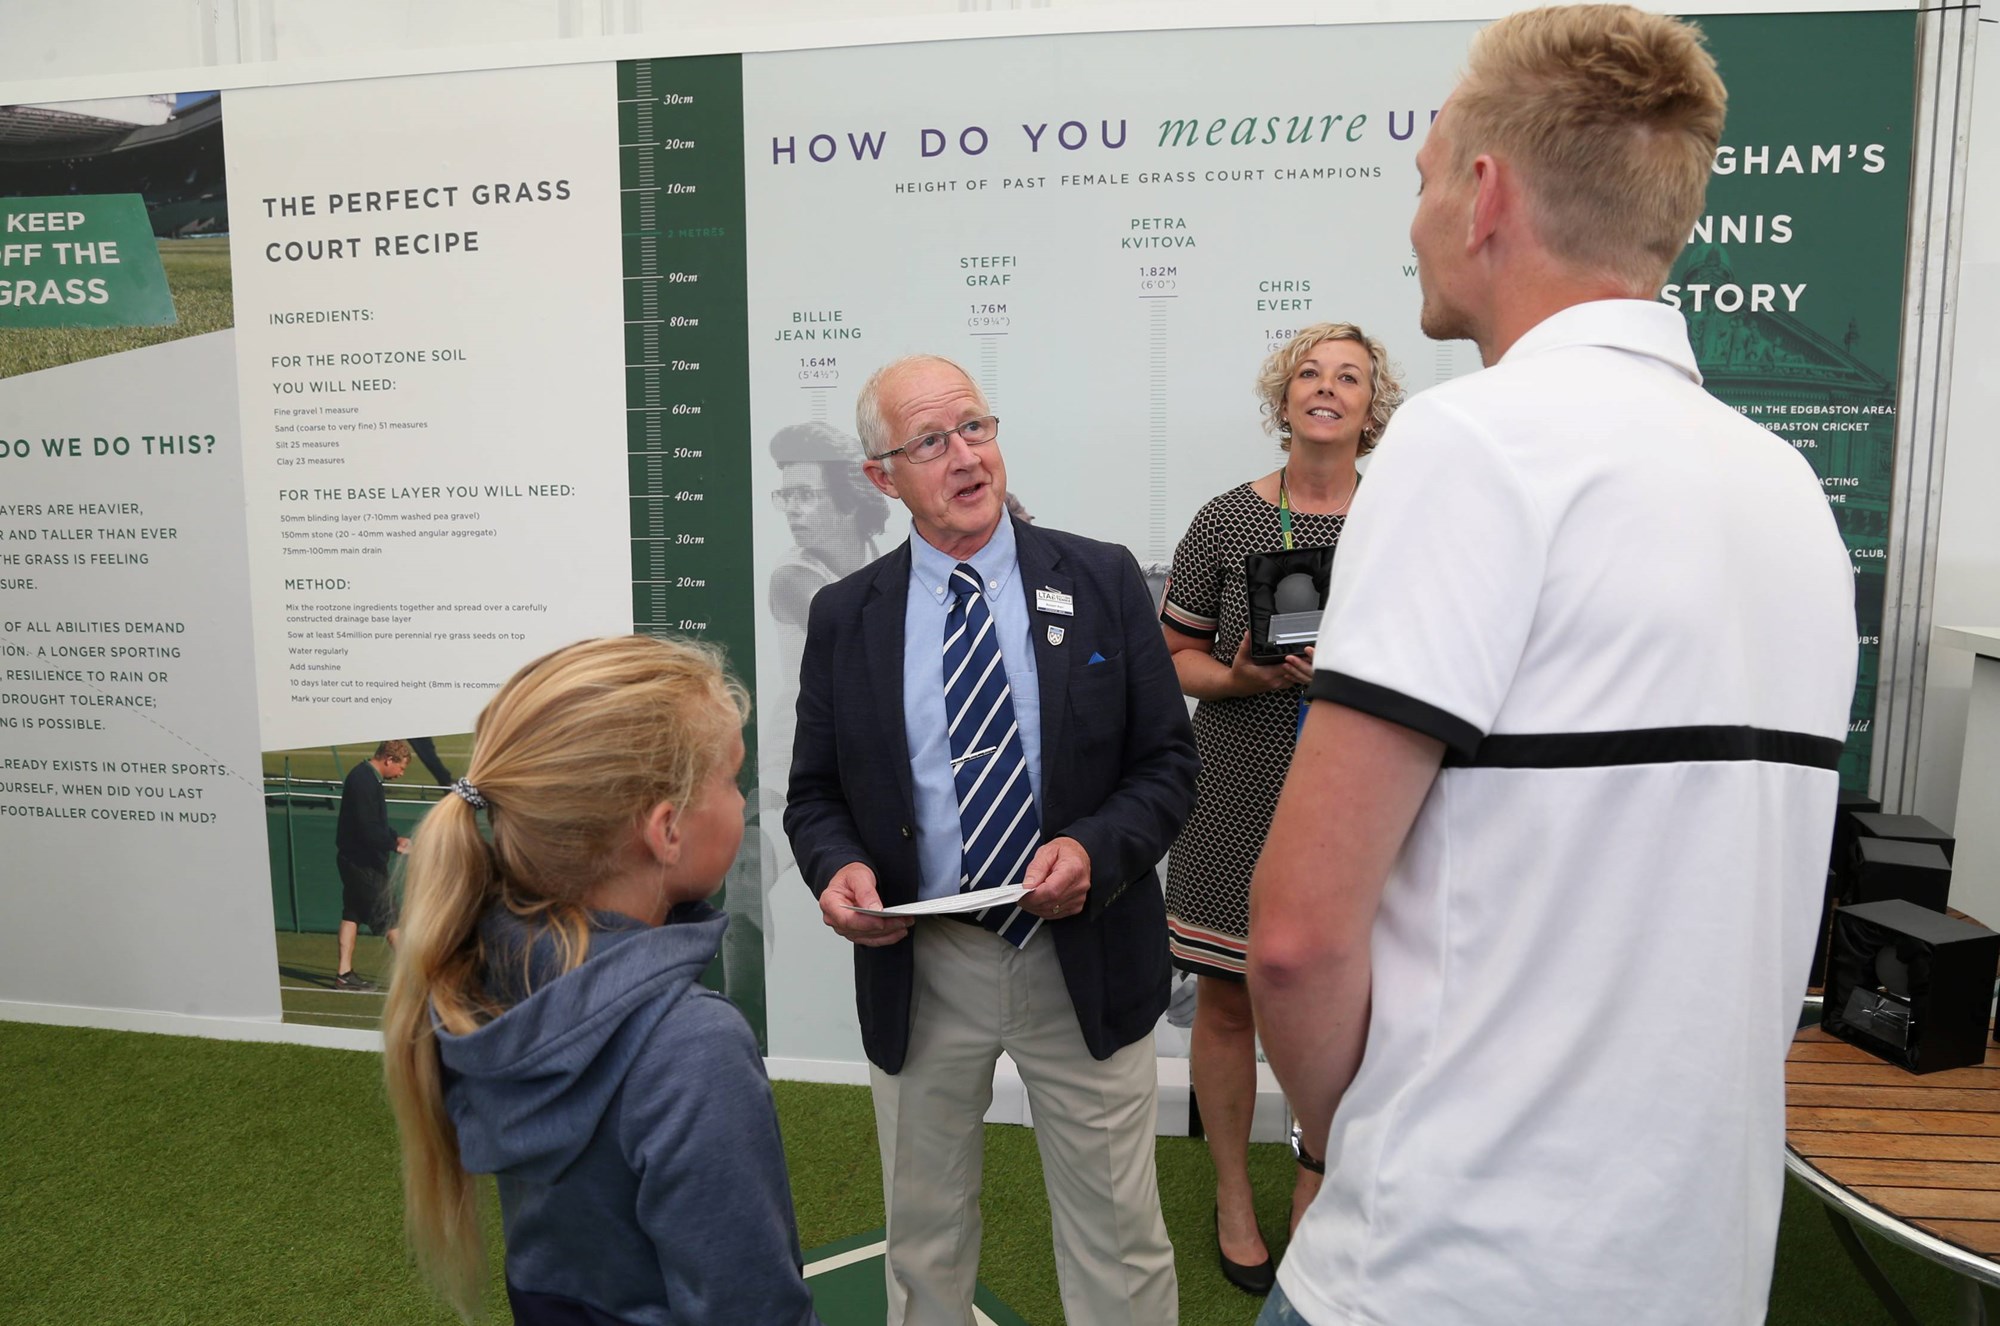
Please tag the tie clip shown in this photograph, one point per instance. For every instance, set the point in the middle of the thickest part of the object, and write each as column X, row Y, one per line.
column 973, row 755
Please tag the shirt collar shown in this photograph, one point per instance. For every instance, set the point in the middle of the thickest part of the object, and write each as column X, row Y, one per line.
column 1640, row 326
column 930, row 570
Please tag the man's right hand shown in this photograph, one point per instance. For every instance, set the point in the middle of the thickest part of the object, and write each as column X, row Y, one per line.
column 853, row 885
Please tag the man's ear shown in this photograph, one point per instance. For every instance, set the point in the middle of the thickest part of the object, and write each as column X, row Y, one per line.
column 879, row 475
column 660, row 830
column 1495, row 193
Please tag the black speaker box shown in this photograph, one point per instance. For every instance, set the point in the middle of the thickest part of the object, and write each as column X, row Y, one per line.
column 1892, row 868
column 1904, row 828
column 1845, row 831
column 1910, row 985
column 1840, row 863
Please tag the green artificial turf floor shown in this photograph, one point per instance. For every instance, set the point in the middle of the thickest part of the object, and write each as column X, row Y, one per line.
column 174, row 1181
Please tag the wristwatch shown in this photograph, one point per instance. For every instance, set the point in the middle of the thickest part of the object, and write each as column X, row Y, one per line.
column 1306, row 1159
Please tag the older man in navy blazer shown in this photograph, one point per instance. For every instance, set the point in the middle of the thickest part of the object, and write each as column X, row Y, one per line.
column 988, row 705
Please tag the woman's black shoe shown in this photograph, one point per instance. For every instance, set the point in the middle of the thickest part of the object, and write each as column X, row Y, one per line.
column 1259, row 1279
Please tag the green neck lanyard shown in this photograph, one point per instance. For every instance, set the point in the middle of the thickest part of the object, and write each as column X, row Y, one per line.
column 1285, row 506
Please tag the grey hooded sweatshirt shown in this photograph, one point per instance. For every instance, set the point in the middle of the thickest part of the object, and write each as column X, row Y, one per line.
column 626, row 1112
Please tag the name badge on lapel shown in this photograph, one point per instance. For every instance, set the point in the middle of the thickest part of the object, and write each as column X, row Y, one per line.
column 1055, row 635
column 1056, row 602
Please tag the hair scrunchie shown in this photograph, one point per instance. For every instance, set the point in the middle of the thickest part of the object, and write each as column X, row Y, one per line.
column 464, row 788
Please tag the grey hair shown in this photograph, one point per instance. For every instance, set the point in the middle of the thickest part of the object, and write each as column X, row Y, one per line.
column 868, row 420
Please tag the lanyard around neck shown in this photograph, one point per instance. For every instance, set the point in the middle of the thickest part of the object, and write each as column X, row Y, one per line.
column 1285, row 506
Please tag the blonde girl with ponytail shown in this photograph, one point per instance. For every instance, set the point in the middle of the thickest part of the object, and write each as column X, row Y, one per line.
column 546, row 1022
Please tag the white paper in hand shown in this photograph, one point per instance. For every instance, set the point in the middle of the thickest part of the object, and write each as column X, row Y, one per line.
column 976, row 901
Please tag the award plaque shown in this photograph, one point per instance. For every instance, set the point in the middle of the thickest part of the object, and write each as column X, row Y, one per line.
column 1287, row 594
column 1910, row 985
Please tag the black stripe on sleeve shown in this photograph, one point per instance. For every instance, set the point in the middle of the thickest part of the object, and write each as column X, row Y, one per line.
column 1395, row 707
column 1652, row 745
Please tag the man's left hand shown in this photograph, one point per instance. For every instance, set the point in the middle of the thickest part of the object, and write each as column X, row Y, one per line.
column 1058, row 879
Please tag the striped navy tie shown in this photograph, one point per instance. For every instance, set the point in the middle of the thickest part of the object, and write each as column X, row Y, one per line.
column 996, row 804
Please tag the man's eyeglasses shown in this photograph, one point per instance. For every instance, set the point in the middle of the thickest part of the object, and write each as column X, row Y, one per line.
column 976, row 432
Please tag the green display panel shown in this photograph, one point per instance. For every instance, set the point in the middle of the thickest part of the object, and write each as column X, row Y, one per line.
column 83, row 261
column 1793, row 281
column 687, row 399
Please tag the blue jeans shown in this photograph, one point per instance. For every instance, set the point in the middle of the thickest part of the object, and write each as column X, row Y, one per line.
column 1278, row 1311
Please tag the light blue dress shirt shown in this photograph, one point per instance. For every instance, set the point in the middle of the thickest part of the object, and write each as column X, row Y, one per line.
column 939, row 845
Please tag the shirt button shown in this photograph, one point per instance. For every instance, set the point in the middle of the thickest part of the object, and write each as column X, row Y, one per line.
column 993, row 584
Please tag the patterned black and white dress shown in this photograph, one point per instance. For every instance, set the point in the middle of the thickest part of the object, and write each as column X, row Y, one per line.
column 1245, row 742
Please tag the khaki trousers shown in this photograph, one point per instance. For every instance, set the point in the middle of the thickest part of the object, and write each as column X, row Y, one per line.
column 975, row 995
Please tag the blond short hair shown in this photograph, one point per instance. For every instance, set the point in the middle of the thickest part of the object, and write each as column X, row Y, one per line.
column 567, row 757
column 1385, row 388
column 1612, row 115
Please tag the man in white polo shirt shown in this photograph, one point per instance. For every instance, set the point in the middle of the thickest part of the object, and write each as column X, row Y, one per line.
column 1552, row 846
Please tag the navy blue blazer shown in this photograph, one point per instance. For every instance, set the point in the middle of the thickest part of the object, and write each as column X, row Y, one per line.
column 1118, row 775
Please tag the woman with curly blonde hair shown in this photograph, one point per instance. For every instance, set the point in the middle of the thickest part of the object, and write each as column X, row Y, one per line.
column 547, row 1024
column 1328, row 394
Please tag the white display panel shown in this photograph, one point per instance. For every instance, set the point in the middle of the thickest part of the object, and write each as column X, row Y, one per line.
column 1069, row 219
column 130, row 804
column 427, row 286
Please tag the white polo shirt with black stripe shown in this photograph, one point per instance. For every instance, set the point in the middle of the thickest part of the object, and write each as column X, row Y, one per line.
column 1628, row 614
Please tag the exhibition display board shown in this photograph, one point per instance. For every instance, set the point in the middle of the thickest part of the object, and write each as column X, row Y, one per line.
column 325, row 405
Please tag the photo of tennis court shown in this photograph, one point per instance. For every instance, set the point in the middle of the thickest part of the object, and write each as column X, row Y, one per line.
column 302, row 800
column 167, row 150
